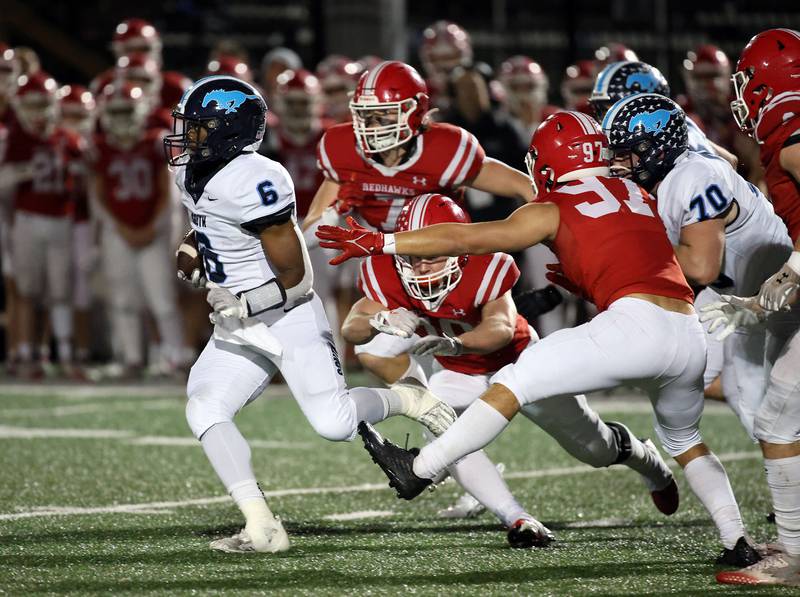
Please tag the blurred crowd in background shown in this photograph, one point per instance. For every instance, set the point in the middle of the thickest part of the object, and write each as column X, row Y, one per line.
column 90, row 218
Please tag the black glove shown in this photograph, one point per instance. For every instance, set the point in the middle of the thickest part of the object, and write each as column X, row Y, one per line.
column 533, row 303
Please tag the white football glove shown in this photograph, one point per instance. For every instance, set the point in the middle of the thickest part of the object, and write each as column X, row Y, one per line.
column 779, row 290
column 225, row 303
column 732, row 312
column 398, row 322
column 437, row 345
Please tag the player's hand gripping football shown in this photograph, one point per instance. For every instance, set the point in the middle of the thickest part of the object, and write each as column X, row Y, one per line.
column 398, row 322
column 354, row 241
column 780, row 290
column 732, row 312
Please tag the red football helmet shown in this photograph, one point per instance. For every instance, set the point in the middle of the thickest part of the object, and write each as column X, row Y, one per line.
column 614, row 52
column 298, row 102
column 36, row 103
column 566, row 146
column 769, row 65
column 123, row 113
column 444, row 47
column 229, row 65
column 707, row 73
column 136, row 35
column 77, row 108
column 338, row 76
column 9, row 71
column 429, row 279
column 525, row 83
column 388, row 106
column 143, row 71
column 577, row 85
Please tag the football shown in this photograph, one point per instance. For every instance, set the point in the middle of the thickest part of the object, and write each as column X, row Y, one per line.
column 188, row 259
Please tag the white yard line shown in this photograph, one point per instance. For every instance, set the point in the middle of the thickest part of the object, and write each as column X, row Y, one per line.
column 93, row 407
column 359, row 515
column 129, row 437
column 138, row 508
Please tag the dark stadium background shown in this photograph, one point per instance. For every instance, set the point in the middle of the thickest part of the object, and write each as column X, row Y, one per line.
column 72, row 38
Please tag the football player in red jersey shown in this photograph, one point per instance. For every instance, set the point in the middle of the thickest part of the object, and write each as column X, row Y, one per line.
column 459, row 309
column 526, row 87
column 41, row 156
column 647, row 333
column 767, row 105
column 577, row 84
column 445, row 47
column 131, row 182
column 78, row 115
column 9, row 73
column 338, row 76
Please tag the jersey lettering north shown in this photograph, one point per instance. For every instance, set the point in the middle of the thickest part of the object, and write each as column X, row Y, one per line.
column 48, row 186
column 130, row 177
column 249, row 194
column 784, row 189
column 443, row 158
column 703, row 186
column 484, row 278
column 611, row 242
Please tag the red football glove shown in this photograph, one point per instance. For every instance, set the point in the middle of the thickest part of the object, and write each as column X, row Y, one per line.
column 356, row 241
column 556, row 275
column 349, row 198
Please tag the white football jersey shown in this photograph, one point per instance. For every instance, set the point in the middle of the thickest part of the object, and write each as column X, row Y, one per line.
column 702, row 186
column 248, row 192
column 698, row 141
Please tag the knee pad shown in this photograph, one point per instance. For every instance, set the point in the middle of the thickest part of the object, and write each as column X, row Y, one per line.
column 336, row 425
column 777, row 420
column 203, row 412
column 678, row 441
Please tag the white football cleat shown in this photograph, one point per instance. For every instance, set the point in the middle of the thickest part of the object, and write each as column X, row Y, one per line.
column 262, row 537
column 423, row 406
column 777, row 569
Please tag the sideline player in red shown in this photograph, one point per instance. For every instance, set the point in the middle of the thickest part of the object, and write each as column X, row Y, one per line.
column 41, row 156
column 131, row 182
column 767, row 105
column 459, row 309
column 614, row 250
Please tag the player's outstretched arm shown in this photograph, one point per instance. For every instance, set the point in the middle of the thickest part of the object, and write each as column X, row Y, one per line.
column 496, row 329
column 527, row 226
column 356, row 327
column 497, row 178
column 700, row 251
column 324, row 198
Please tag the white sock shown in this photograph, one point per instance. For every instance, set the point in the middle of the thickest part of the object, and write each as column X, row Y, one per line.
column 25, row 352
column 251, row 502
column 481, row 479
column 709, row 482
column 783, row 478
column 473, row 430
column 229, row 454
column 372, row 404
column 64, row 351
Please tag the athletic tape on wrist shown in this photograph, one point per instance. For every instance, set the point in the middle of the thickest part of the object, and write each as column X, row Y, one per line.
column 794, row 262
column 388, row 244
column 269, row 296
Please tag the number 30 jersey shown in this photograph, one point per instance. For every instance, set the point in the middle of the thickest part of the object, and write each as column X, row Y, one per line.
column 247, row 195
column 703, row 186
column 484, row 278
column 611, row 242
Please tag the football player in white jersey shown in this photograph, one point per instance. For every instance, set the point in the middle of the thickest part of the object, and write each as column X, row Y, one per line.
column 267, row 318
column 725, row 232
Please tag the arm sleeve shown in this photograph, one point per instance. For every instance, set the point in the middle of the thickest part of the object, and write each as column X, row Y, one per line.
column 267, row 199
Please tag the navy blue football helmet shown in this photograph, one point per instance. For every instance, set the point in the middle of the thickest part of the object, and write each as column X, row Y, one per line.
column 621, row 79
column 217, row 118
column 651, row 127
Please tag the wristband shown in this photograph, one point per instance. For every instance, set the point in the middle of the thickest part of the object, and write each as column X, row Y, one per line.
column 269, row 296
column 794, row 262
column 388, row 245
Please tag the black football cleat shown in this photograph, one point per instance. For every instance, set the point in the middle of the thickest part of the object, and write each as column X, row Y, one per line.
column 527, row 533
column 396, row 463
column 741, row 556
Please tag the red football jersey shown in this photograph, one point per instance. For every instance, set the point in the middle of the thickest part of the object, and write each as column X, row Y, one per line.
column 130, row 177
column 784, row 190
column 301, row 162
column 611, row 241
column 444, row 158
column 50, row 189
column 484, row 278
